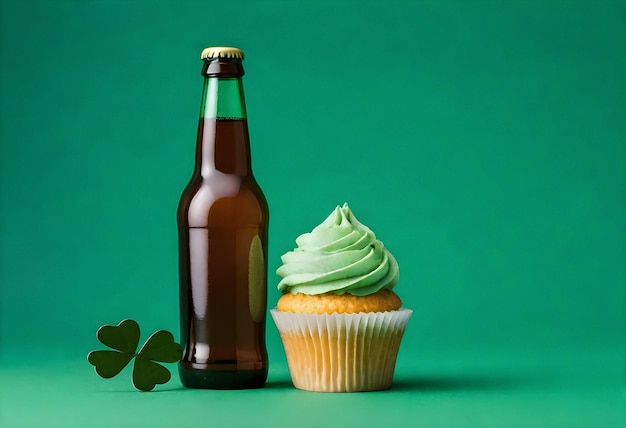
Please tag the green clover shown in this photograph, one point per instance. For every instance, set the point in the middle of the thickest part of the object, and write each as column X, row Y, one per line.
column 124, row 338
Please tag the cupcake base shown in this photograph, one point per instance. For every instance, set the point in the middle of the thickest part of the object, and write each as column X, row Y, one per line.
column 342, row 352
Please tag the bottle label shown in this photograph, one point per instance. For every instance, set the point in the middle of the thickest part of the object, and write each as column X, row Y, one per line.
column 257, row 297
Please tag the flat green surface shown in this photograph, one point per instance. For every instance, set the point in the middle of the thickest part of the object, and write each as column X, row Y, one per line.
column 483, row 141
column 460, row 389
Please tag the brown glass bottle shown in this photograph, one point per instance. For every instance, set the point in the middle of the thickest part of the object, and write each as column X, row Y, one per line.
column 222, row 226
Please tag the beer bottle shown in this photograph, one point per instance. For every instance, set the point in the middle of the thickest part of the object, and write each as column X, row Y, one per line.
column 222, row 226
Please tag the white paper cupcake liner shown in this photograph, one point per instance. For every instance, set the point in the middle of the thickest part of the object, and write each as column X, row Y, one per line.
column 342, row 352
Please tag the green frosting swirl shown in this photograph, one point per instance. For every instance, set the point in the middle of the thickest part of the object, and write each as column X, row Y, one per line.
column 341, row 255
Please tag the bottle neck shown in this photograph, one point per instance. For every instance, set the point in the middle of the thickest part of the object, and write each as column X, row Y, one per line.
column 223, row 142
column 223, row 98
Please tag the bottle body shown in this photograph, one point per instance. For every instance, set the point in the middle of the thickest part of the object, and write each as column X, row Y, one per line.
column 223, row 232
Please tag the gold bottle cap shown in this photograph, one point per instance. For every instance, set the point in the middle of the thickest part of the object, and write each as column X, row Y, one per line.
column 221, row 52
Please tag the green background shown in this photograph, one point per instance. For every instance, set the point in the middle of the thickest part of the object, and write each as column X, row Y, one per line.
column 483, row 141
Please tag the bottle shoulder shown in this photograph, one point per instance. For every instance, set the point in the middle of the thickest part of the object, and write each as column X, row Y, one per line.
column 232, row 199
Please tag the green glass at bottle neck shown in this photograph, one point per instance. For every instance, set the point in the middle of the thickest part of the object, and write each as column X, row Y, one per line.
column 223, row 98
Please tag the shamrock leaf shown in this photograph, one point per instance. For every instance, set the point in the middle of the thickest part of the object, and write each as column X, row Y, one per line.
column 161, row 347
column 109, row 363
column 124, row 338
column 147, row 374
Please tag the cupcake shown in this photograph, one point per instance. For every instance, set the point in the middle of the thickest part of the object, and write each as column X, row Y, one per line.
column 339, row 320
